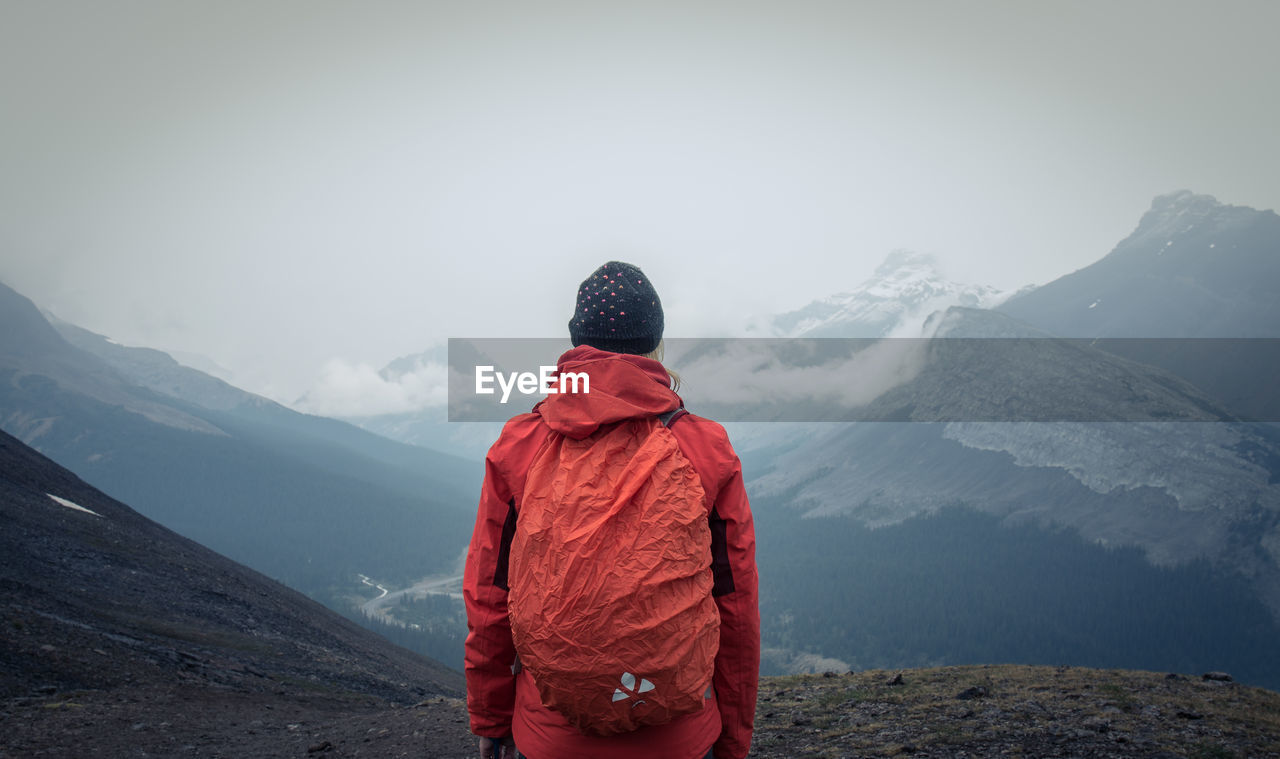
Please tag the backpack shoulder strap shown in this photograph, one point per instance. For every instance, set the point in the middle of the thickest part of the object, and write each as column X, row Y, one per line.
column 670, row 417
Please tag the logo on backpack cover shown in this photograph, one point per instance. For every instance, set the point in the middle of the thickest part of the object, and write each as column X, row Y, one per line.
column 629, row 683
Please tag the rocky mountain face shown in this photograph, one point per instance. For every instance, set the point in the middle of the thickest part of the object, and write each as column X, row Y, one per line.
column 1183, row 489
column 905, row 288
column 307, row 500
column 1189, row 254
column 1179, row 485
column 1193, row 267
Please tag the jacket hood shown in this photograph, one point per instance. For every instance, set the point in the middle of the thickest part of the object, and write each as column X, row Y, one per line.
column 619, row 386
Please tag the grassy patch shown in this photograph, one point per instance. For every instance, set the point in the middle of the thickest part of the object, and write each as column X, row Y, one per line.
column 1209, row 751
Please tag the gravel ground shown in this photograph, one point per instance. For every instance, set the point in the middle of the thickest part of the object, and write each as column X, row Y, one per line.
column 992, row 711
column 195, row 723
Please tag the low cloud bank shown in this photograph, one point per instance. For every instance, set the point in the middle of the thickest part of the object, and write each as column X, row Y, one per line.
column 346, row 389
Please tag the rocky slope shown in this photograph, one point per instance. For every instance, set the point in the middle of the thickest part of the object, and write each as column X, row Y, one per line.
column 95, row 597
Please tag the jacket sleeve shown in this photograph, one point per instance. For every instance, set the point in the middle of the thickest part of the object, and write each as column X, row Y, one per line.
column 738, row 662
column 490, row 652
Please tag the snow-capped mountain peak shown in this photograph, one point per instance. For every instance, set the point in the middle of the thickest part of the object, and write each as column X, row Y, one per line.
column 904, row 290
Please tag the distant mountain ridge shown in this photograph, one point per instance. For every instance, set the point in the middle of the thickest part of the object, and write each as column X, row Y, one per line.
column 30, row 348
column 158, row 371
column 307, row 500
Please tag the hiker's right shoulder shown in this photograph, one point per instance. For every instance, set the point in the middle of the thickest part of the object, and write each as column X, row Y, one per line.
column 524, row 425
column 519, row 432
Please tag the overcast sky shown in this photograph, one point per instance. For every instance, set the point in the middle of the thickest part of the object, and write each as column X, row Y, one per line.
column 293, row 188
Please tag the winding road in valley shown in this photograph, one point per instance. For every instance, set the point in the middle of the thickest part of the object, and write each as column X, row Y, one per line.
column 449, row 585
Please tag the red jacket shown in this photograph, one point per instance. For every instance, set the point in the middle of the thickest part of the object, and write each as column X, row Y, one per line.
column 500, row 703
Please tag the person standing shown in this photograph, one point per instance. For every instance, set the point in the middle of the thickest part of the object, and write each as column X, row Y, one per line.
column 622, row 448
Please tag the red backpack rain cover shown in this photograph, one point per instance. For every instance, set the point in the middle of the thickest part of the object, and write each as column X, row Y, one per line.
column 610, row 579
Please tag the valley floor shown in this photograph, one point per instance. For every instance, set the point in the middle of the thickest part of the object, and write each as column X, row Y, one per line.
column 976, row 711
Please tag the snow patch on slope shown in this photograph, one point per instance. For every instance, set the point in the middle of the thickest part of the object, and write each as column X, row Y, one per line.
column 72, row 505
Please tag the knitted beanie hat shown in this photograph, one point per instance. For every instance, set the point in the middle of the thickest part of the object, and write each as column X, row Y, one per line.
column 618, row 311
